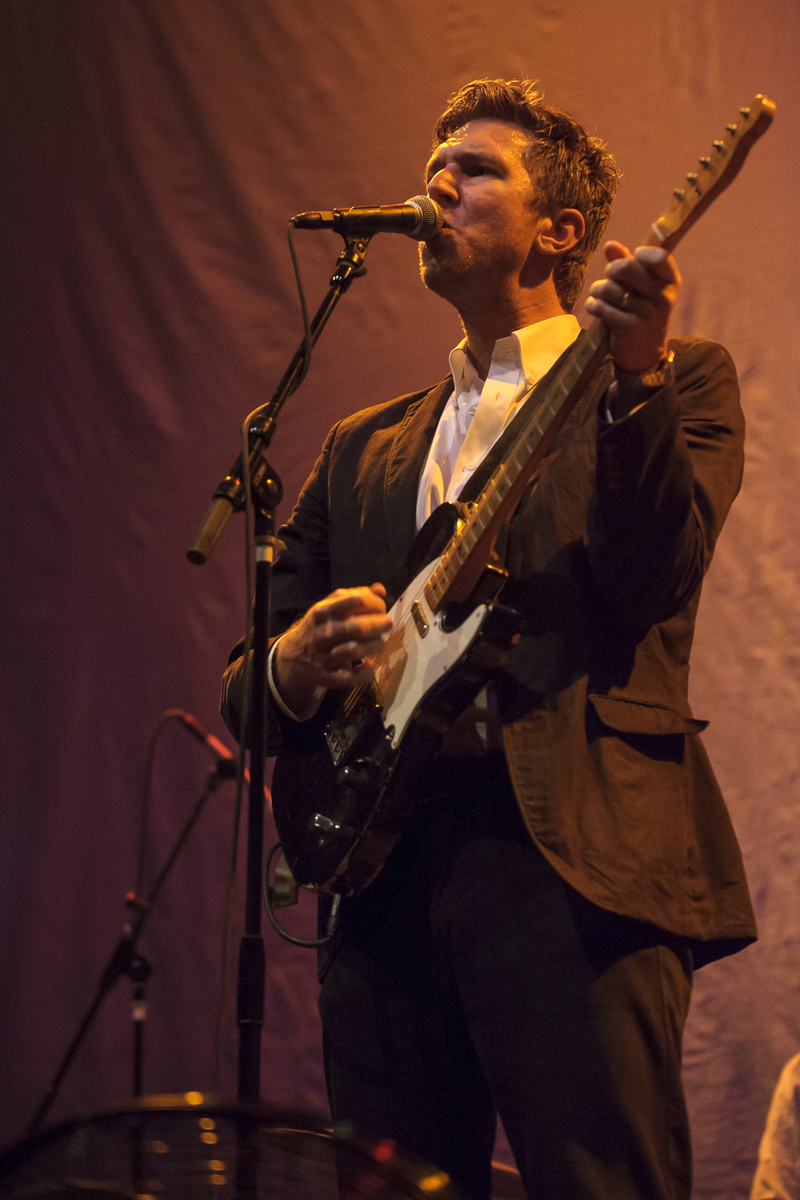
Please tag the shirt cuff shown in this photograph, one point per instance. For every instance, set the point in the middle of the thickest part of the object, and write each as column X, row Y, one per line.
column 305, row 713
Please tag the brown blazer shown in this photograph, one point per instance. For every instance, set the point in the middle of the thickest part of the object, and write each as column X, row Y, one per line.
column 606, row 556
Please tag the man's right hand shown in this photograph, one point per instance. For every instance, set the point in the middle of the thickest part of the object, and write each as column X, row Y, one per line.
column 331, row 645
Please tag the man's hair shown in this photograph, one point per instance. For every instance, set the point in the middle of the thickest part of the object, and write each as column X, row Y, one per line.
column 569, row 168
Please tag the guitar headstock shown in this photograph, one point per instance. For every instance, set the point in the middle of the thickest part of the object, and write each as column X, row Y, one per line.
column 715, row 173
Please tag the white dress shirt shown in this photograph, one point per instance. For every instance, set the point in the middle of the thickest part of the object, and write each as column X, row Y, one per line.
column 477, row 412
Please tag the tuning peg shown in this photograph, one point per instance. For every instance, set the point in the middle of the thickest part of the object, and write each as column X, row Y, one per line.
column 731, row 128
column 692, row 177
column 705, row 162
column 679, row 193
column 719, row 146
column 745, row 112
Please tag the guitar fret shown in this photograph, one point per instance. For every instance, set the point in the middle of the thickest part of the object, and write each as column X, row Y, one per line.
column 434, row 593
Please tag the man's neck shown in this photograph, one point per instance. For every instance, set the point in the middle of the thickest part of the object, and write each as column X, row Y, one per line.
column 484, row 328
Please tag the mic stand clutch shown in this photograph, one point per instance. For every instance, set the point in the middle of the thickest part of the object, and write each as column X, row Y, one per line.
column 230, row 497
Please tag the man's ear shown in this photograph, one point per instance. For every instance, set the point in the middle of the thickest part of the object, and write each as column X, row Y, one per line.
column 560, row 232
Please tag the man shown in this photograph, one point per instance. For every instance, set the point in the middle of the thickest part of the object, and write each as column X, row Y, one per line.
column 529, row 946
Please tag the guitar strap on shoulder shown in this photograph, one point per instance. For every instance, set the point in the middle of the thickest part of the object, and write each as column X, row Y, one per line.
column 537, row 399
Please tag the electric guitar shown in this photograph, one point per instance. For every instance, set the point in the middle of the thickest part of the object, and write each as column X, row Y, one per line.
column 341, row 800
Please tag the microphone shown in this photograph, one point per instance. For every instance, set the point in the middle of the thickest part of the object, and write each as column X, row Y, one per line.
column 420, row 218
column 227, row 765
column 217, row 748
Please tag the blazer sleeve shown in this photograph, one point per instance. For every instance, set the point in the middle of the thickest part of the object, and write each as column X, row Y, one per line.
column 666, row 478
column 300, row 577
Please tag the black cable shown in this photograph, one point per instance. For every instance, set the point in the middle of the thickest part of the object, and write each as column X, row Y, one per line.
column 303, row 309
column 273, row 920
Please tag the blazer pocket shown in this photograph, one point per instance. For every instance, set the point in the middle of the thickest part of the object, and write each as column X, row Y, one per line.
column 641, row 716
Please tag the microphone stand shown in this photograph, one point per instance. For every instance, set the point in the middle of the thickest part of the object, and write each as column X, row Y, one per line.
column 126, row 960
column 230, row 497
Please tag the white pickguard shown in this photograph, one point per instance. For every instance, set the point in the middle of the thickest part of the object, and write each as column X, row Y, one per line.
column 413, row 661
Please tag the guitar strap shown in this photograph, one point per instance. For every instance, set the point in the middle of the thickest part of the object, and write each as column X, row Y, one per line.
column 537, row 400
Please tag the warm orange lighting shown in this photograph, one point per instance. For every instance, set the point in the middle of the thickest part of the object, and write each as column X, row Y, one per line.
column 194, row 1098
column 210, row 1139
column 206, row 1123
column 434, row 1183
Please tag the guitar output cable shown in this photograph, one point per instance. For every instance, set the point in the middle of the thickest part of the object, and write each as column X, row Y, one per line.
column 268, row 894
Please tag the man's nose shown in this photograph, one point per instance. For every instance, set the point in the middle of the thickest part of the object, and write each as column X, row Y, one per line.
column 443, row 188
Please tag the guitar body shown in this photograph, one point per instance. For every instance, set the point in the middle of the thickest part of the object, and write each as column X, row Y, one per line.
column 340, row 800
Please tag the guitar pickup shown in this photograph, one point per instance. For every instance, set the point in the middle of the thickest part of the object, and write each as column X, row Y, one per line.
column 419, row 618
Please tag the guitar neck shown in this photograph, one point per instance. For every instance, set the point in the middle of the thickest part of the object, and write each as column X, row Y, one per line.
column 543, row 415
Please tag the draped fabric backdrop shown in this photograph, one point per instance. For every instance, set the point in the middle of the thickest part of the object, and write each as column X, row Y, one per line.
column 152, row 152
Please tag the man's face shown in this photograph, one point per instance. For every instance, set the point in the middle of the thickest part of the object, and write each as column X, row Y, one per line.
column 480, row 181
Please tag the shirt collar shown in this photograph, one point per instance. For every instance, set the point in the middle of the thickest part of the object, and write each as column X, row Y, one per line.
column 532, row 350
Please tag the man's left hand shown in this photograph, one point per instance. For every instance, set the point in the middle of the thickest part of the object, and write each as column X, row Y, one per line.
column 635, row 301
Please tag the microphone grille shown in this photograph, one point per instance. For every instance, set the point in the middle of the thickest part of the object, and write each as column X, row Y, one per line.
column 431, row 218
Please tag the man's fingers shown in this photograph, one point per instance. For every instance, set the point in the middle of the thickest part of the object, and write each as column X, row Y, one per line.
column 353, row 671
column 342, row 603
column 328, row 647
column 659, row 262
column 616, row 250
column 347, row 653
column 355, row 615
column 646, row 271
column 635, row 300
column 635, row 284
column 366, row 635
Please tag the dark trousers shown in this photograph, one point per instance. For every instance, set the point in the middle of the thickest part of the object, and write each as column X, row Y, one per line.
column 470, row 979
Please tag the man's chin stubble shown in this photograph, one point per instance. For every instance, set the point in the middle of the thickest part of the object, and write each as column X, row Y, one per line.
column 448, row 280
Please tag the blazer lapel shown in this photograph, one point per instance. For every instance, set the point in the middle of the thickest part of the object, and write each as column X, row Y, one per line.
column 404, row 466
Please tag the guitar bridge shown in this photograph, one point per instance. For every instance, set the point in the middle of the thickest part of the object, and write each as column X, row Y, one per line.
column 358, row 712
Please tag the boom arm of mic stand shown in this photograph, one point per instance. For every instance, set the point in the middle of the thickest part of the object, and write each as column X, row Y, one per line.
column 229, row 495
